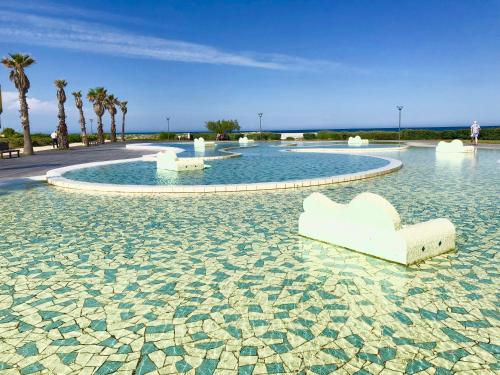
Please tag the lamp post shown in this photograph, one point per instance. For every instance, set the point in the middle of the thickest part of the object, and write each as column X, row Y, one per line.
column 1, row 109
column 400, row 108
column 91, row 122
column 260, row 126
column 168, row 126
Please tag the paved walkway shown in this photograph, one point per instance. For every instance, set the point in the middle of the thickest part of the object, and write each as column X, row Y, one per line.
column 42, row 161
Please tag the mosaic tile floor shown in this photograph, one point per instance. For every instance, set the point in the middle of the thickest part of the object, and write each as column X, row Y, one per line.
column 222, row 284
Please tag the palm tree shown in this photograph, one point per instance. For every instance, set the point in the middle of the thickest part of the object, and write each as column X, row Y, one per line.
column 18, row 62
column 123, row 108
column 79, row 105
column 62, row 129
column 111, row 103
column 97, row 97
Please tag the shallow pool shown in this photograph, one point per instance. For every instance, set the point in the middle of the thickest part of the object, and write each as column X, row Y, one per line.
column 261, row 163
column 212, row 283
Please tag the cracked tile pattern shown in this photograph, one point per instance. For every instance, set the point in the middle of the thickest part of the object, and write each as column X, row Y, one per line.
column 222, row 284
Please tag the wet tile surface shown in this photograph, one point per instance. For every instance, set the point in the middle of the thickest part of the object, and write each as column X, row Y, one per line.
column 223, row 284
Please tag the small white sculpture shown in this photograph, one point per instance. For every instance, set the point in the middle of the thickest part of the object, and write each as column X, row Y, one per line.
column 455, row 146
column 357, row 141
column 200, row 143
column 244, row 140
column 370, row 224
column 168, row 160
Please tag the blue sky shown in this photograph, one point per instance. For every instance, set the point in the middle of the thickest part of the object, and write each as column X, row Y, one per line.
column 304, row 64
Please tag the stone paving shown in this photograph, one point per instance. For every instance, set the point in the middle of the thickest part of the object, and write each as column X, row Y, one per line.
column 222, row 284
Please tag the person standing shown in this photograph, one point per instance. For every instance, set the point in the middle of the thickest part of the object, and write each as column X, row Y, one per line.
column 54, row 139
column 474, row 131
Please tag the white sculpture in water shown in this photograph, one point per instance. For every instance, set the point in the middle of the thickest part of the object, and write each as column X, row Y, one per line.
column 200, row 144
column 371, row 225
column 168, row 160
column 244, row 140
column 357, row 141
column 455, row 146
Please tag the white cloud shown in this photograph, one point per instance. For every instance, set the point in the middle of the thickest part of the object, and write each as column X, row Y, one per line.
column 11, row 103
column 59, row 32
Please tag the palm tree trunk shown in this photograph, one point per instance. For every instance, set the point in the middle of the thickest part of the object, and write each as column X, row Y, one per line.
column 83, row 129
column 123, row 127
column 25, row 122
column 100, row 132
column 113, row 128
column 62, row 129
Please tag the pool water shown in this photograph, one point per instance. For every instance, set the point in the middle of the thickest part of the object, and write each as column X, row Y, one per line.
column 223, row 284
column 343, row 145
column 262, row 163
column 190, row 151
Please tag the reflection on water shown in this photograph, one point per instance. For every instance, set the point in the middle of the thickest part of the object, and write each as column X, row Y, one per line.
column 454, row 160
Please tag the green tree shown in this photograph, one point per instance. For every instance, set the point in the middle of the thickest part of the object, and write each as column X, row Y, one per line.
column 111, row 102
column 97, row 97
column 9, row 132
column 62, row 128
column 123, row 108
column 17, row 63
column 222, row 126
column 79, row 106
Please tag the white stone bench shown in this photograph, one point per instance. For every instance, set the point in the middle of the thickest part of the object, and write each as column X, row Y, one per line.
column 371, row 225
column 455, row 146
column 168, row 160
column 244, row 140
column 200, row 144
column 357, row 141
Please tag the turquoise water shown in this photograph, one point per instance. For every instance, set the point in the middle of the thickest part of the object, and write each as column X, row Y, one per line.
column 342, row 145
column 262, row 163
column 189, row 150
column 222, row 283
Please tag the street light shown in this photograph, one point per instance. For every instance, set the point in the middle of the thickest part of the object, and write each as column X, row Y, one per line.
column 168, row 126
column 1, row 109
column 260, row 125
column 400, row 108
column 91, row 122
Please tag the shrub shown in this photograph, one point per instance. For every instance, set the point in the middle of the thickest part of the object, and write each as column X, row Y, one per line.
column 165, row 136
column 39, row 139
column 265, row 136
column 74, row 138
column 16, row 141
column 309, row 136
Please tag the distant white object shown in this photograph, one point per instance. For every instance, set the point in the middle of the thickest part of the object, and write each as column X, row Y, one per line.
column 370, row 224
column 168, row 160
column 357, row 141
column 295, row 136
column 455, row 146
column 200, row 144
column 244, row 140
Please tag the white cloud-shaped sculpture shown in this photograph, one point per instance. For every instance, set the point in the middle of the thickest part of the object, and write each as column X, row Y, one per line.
column 200, row 143
column 244, row 140
column 371, row 225
column 455, row 146
column 357, row 141
column 168, row 160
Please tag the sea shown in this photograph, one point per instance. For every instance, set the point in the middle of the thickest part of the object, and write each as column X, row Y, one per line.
column 310, row 130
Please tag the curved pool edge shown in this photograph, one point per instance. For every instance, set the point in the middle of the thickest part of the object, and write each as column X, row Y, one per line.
column 55, row 177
